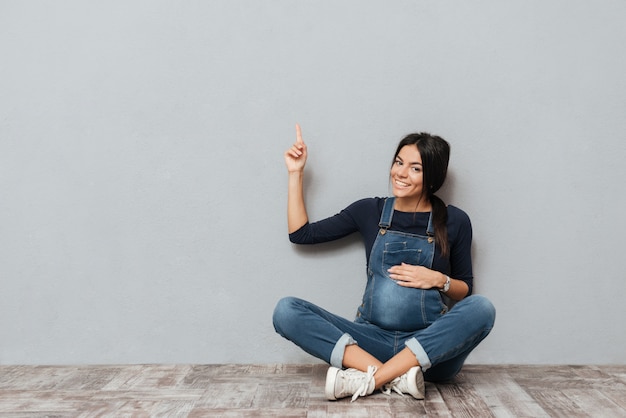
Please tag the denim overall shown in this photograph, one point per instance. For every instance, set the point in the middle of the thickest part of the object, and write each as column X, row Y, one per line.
column 386, row 304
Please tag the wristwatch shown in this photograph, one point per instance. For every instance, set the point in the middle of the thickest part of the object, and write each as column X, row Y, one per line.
column 446, row 285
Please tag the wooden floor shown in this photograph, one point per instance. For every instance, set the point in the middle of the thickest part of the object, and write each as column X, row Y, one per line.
column 298, row 391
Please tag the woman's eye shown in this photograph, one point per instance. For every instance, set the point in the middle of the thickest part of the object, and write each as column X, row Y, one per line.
column 417, row 170
column 398, row 162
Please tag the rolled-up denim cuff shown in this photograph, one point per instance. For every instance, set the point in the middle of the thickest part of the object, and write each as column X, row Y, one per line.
column 419, row 352
column 336, row 357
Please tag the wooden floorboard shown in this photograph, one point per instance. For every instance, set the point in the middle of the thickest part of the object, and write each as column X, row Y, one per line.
column 279, row 390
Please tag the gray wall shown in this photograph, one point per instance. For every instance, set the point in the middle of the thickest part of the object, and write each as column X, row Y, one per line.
column 143, row 187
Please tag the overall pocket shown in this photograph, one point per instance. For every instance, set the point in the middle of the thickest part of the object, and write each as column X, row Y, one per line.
column 394, row 256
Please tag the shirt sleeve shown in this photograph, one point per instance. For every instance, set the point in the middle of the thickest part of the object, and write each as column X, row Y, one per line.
column 460, row 234
column 348, row 221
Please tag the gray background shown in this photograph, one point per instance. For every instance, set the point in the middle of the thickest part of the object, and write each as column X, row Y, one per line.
column 143, row 186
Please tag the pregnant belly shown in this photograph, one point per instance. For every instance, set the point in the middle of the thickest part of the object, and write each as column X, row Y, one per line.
column 395, row 307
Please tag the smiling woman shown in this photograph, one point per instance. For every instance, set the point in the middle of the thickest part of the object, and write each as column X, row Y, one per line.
column 419, row 250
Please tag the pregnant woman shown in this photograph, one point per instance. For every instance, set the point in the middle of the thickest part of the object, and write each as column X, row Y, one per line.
column 418, row 264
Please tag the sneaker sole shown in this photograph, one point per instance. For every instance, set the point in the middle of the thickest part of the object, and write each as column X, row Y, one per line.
column 416, row 392
column 331, row 378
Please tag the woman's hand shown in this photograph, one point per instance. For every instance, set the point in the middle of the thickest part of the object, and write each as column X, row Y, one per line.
column 295, row 157
column 419, row 277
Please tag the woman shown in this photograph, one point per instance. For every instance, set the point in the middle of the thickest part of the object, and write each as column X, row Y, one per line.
column 418, row 255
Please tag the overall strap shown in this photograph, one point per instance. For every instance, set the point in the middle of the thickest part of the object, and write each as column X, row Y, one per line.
column 430, row 230
column 385, row 217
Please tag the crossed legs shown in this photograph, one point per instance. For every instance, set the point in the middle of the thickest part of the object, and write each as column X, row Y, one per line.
column 356, row 358
column 446, row 343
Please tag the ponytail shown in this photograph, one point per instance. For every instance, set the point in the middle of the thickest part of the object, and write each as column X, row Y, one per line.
column 440, row 220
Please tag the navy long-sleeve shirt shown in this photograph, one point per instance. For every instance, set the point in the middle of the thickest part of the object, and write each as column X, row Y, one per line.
column 363, row 216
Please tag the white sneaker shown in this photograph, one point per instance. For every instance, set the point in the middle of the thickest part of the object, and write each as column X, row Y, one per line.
column 350, row 382
column 412, row 382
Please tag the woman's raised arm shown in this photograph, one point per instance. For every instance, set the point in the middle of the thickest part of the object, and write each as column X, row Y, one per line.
column 295, row 159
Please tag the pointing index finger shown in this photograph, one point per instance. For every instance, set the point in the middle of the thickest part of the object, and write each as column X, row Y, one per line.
column 298, row 134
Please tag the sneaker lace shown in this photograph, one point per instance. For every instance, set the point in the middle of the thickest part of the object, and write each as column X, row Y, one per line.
column 365, row 383
column 393, row 385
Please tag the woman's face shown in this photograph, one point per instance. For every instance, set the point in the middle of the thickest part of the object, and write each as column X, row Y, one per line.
column 407, row 174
